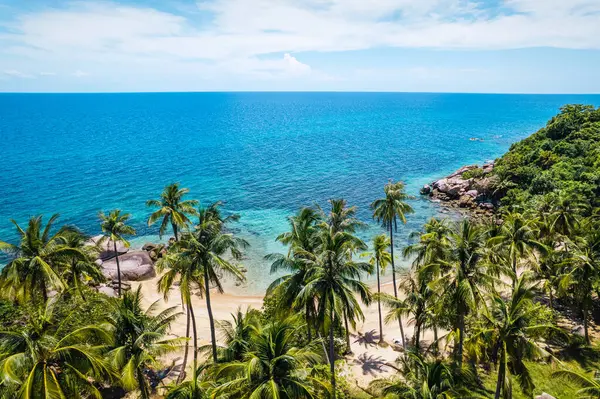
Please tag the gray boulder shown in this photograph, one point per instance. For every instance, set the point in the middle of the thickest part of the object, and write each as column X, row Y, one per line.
column 426, row 189
column 135, row 266
column 107, row 247
column 462, row 170
column 545, row 395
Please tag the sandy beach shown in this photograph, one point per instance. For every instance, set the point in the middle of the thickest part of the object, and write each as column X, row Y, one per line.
column 368, row 360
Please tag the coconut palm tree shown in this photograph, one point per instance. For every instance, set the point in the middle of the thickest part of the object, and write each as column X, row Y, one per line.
column 207, row 249
column 302, row 241
column 380, row 258
column 462, row 278
column 237, row 336
column 114, row 226
column 81, row 266
column 179, row 271
column 424, row 379
column 581, row 272
column 41, row 360
column 590, row 385
column 387, row 211
column 513, row 330
column 517, row 238
column 172, row 209
column 139, row 338
column 272, row 368
column 333, row 281
column 34, row 267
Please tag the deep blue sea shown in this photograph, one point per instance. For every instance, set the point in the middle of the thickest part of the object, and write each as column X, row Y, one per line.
column 265, row 154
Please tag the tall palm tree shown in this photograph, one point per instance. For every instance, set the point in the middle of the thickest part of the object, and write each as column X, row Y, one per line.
column 387, row 211
column 81, row 266
column 272, row 368
column 114, row 226
column 581, row 272
column 172, row 209
column 380, row 258
column 207, row 249
column 302, row 241
column 34, row 267
column 41, row 360
column 180, row 272
column 517, row 238
column 513, row 329
column 334, row 279
column 139, row 338
column 462, row 277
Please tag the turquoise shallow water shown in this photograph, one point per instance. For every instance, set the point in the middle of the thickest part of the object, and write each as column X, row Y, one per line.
column 265, row 154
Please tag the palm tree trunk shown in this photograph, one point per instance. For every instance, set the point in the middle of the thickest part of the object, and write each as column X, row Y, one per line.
column 118, row 269
column 500, row 381
column 175, row 231
column 436, row 347
column 418, row 337
column 394, row 281
column 585, row 320
column 210, row 318
column 331, row 352
column 348, row 347
column 195, row 336
column 308, row 329
column 461, row 337
column 379, row 304
column 142, row 384
column 187, row 346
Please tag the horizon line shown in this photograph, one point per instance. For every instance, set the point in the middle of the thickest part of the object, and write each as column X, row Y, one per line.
column 298, row 91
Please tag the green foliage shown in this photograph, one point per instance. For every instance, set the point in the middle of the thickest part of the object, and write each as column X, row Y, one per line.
column 564, row 155
column 473, row 173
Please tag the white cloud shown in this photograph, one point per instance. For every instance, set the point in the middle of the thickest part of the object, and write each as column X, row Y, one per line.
column 47, row 73
column 17, row 74
column 257, row 38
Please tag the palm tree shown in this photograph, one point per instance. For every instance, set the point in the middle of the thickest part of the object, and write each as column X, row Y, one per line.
column 172, row 209
column 180, row 272
column 513, row 331
column 139, row 339
column 380, row 257
column 334, row 279
column 581, row 272
column 34, row 267
column 114, row 226
column 302, row 241
column 517, row 238
column 424, row 379
column 462, row 278
column 237, row 336
column 590, row 386
column 387, row 211
column 81, row 266
column 272, row 368
column 40, row 360
column 206, row 249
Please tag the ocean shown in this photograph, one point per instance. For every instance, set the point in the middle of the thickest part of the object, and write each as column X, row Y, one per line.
column 264, row 154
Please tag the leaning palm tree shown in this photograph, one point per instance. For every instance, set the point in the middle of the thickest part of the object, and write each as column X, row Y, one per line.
column 590, row 385
column 179, row 271
column 41, row 360
column 333, row 282
column 114, row 226
column 514, row 332
column 139, row 338
column 172, row 209
column 380, row 257
column 387, row 211
column 273, row 367
column 34, row 267
column 207, row 250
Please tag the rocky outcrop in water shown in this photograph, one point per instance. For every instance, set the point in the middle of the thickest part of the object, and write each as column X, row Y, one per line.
column 470, row 187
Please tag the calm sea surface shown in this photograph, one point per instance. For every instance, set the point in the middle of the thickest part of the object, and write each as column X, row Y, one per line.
column 265, row 154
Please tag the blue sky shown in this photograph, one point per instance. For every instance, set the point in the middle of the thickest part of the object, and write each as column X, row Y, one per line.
column 516, row 46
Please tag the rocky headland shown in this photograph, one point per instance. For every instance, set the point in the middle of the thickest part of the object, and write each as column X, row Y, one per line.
column 469, row 188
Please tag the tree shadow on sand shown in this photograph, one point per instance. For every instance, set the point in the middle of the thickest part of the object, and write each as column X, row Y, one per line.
column 370, row 364
column 370, row 338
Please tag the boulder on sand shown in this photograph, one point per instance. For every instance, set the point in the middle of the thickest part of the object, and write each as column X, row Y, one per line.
column 135, row 266
column 107, row 247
